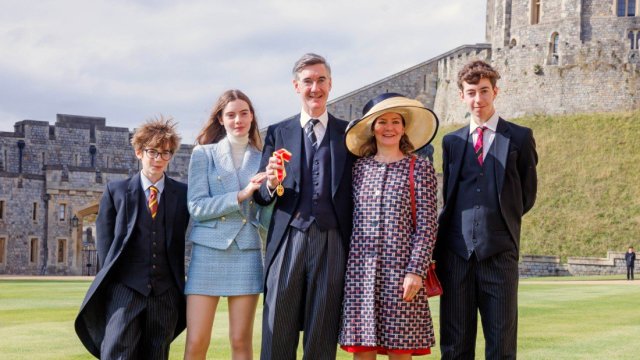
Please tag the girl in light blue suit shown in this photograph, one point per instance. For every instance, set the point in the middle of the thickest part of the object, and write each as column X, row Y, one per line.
column 226, row 258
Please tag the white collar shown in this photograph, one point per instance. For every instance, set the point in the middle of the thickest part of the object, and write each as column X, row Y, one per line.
column 491, row 124
column 304, row 118
column 238, row 141
column 146, row 183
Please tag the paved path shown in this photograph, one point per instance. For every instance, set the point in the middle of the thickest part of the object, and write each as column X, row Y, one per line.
column 581, row 282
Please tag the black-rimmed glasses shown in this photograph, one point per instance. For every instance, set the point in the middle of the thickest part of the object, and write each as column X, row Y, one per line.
column 153, row 153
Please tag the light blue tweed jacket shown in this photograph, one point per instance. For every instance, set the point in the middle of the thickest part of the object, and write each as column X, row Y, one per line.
column 218, row 219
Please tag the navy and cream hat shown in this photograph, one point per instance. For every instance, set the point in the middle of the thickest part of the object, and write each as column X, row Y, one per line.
column 421, row 123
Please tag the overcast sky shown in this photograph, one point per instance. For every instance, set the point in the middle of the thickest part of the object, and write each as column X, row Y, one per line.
column 128, row 60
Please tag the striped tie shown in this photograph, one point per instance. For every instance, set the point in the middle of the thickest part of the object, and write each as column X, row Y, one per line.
column 478, row 146
column 152, row 202
column 308, row 130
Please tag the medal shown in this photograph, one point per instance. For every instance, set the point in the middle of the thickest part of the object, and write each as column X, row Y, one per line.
column 284, row 155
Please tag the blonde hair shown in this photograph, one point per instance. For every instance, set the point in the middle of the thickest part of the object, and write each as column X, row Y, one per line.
column 157, row 132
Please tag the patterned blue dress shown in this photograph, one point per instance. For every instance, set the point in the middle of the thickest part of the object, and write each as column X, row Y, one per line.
column 383, row 249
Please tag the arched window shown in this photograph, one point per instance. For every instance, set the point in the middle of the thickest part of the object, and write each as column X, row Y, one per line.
column 632, row 40
column 513, row 42
column 553, row 49
column 535, row 11
column 626, row 8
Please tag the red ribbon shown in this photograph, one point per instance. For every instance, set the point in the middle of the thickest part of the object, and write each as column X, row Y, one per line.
column 285, row 156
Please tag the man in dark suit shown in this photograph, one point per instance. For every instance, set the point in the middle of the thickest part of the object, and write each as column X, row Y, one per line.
column 489, row 183
column 135, row 306
column 630, row 260
column 310, row 228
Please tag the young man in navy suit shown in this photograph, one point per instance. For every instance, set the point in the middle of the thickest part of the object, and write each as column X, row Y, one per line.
column 310, row 228
column 135, row 306
column 489, row 183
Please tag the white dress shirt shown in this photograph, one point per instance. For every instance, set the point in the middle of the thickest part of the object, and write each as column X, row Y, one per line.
column 321, row 128
column 488, row 135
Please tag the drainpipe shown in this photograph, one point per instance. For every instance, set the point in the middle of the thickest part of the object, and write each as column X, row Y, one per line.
column 45, row 236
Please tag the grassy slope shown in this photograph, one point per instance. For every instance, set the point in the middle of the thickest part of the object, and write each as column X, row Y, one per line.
column 588, row 188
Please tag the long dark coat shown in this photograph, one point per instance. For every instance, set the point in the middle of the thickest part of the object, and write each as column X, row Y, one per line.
column 115, row 224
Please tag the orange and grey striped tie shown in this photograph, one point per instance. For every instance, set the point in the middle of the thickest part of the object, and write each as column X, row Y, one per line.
column 152, row 202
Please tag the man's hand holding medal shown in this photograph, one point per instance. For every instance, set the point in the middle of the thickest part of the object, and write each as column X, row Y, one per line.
column 276, row 171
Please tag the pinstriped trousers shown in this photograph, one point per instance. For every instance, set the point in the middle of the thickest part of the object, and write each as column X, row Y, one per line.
column 138, row 326
column 303, row 291
column 489, row 287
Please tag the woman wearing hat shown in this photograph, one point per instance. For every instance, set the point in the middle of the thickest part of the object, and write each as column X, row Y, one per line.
column 385, row 309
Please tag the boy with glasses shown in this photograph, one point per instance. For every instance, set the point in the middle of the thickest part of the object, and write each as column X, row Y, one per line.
column 135, row 306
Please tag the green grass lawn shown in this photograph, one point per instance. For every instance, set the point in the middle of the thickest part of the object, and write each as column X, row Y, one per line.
column 557, row 321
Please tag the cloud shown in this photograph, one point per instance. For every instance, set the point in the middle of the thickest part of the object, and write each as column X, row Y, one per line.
column 129, row 60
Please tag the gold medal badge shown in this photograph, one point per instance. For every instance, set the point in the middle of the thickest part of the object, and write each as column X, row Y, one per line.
column 285, row 156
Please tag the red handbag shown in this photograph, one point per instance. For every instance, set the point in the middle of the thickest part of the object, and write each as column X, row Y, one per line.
column 431, row 283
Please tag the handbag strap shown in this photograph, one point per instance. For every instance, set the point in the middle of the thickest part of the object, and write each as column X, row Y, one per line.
column 432, row 265
column 412, row 192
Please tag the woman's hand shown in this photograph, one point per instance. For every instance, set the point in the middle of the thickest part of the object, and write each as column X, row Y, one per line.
column 411, row 285
column 253, row 185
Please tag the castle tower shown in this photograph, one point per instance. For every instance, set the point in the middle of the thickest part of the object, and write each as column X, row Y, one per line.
column 565, row 56
column 498, row 25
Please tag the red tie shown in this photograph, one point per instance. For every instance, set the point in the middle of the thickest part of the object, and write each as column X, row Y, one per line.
column 152, row 202
column 478, row 146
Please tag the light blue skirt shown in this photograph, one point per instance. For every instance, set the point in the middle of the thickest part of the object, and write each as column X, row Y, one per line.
column 229, row 272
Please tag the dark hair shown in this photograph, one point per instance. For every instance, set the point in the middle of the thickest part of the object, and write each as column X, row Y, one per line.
column 370, row 148
column 309, row 59
column 156, row 132
column 476, row 70
column 213, row 131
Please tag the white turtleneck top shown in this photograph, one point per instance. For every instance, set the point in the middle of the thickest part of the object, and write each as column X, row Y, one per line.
column 238, row 148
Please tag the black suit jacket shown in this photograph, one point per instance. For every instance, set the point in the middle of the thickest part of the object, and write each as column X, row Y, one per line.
column 630, row 258
column 115, row 224
column 288, row 134
column 515, row 154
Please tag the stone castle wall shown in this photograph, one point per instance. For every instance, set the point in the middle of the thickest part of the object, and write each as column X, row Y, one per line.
column 64, row 166
column 418, row 82
column 594, row 68
column 448, row 105
column 539, row 265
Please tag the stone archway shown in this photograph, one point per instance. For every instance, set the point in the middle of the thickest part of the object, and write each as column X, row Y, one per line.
column 86, row 258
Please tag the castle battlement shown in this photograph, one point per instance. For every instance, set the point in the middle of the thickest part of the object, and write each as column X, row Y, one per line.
column 51, row 180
